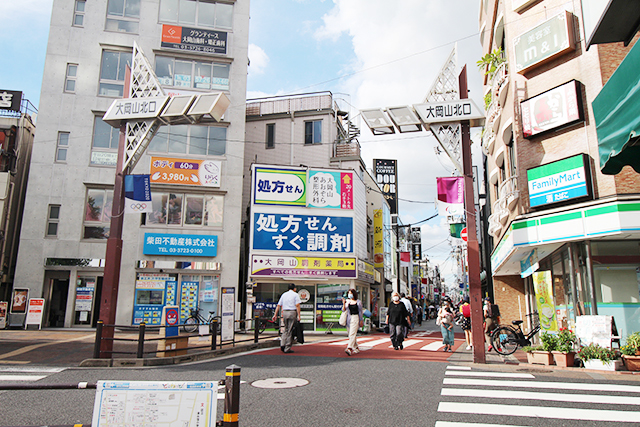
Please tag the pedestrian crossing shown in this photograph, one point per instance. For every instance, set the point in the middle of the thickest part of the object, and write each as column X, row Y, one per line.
column 367, row 343
column 23, row 374
column 469, row 396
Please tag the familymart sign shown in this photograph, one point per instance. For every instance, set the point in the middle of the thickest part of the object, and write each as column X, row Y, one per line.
column 559, row 181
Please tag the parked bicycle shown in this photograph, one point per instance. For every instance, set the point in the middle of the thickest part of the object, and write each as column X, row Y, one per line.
column 266, row 320
column 196, row 319
column 506, row 338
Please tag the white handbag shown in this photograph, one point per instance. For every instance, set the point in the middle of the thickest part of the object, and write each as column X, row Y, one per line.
column 343, row 318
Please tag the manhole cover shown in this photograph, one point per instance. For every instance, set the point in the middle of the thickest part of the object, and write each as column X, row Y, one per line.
column 280, row 383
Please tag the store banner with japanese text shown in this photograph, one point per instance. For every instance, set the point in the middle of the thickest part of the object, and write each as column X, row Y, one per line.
column 543, row 285
column 386, row 175
column 330, row 189
column 137, row 194
column 194, row 39
column 202, row 173
column 450, row 196
column 312, row 233
column 180, row 244
column 378, row 244
column 279, row 186
column 288, row 266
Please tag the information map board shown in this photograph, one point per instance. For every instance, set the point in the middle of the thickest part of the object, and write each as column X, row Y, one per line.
column 161, row 404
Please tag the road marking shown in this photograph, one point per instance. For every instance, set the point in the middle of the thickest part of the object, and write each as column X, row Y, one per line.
column 21, row 377
column 557, row 397
column 32, row 368
column 14, row 362
column 370, row 344
column 539, row 412
column 459, row 368
column 422, row 334
column 408, row 343
column 34, row 346
column 489, row 374
column 343, row 342
column 544, row 384
column 434, row 346
column 453, row 424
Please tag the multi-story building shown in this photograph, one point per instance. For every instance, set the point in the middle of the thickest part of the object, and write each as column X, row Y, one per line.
column 310, row 136
column 194, row 47
column 567, row 239
column 17, row 129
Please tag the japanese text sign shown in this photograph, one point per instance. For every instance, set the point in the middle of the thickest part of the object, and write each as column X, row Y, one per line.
column 559, row 181
column 10, row 100
column 548, row 40
column 378, row 243
column 281, row 232
column 279, row 186
column 387, row 177
column 552, row 109
column 330, row 189
column 204, row 173
column 448, row 111
column 180, row 244
column 194, row 39
column 282, row 266
column 134, row 108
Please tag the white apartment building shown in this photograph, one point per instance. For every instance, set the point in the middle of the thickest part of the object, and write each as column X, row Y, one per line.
column 194, row 46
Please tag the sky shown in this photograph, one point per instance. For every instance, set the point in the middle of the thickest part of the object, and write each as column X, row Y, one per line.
column 368, row 53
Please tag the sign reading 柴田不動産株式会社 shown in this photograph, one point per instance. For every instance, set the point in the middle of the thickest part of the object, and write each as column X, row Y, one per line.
column 559, row 181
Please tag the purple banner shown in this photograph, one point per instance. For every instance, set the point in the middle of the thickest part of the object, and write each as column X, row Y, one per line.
column 451, row 189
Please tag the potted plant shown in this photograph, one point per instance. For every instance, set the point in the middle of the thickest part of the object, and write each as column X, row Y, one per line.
column 537, row 355
column 631, row 352
column 596, row 357
column 564, row 353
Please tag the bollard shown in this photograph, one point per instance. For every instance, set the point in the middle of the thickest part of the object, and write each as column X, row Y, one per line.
column 214, row 333
column 256, row 329
column 96, row 345
column 140, row 353
column 231, row 396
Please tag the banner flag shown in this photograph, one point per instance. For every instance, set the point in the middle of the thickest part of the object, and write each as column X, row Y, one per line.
column 405, row 258
column 450, row 196
column 456, row 228
column 137, row 194
column 543, row 285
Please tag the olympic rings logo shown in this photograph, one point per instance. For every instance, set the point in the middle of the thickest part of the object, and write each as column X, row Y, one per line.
column 138, row 206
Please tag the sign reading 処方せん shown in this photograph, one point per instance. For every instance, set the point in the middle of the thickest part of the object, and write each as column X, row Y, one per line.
column 279, row 186
column 559, row 181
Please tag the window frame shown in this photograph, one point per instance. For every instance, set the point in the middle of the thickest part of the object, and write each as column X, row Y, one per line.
column 51, row 221
column 105, row 213
column 69, row 78
column 213, row 86
column 60, row 146
column 270, row 137
column 166, row 136
column 104, row 81
column 196, row 17
column 110, row 149
column 313, row 132
column 184, row 196
column 123, row 18
column 78, row 13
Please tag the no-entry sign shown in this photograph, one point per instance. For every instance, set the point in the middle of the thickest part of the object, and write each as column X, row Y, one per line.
column 463, row 234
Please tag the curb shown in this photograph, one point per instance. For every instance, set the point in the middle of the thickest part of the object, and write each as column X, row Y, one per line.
column 174, row 360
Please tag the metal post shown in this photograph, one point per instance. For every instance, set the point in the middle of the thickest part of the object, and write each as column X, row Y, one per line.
column 231, row 396
column 475, row 285
column 214, row 333
column 96, row 345
column 256, row 327
column 140, row 353
column 589, row 279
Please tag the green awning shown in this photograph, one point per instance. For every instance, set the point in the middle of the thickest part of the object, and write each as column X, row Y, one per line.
column 616, row 111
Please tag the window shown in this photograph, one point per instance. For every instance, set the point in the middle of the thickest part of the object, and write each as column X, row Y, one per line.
column 112, row 72
column 271, row 135
column 185, row 210
column 70, row 79
column 192, row 74
column 52, row 220
column 313, row 132
column 104, row 148
column 97, row 215
column 123, row 16
column 191, row 139
column 61, row 148
column 78, row 14
column 204, row 13
column 511, row 153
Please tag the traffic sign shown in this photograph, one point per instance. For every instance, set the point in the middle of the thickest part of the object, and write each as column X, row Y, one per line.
column 463, row 234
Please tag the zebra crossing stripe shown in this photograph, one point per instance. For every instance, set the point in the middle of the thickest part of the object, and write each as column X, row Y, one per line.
column 21, row 377
column 539, row 412
column 489, row 374
column 556, row 397
column 408, row 343
column 454, row 424
column 459, row 368
column 344, row 342
column 434, row 346
column 369, row 345
column 543, row 384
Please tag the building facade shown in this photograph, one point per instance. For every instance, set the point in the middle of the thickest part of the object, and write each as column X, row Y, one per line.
column 194, row 47
column 564, row 232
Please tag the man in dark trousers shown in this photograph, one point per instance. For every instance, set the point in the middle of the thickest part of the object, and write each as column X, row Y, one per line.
column 289, row 305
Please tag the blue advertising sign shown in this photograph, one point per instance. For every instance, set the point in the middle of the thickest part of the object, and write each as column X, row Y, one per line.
column 312, row 233
column 180, row 244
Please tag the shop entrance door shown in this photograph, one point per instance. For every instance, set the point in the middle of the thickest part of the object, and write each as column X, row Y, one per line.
column 58, row 302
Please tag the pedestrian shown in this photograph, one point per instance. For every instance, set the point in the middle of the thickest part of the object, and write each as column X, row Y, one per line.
column 465, row 309
column 353, row 306
column 289, row 305
column 409, row 308
column 397, row 314
column 489, row 321
column 445, row 319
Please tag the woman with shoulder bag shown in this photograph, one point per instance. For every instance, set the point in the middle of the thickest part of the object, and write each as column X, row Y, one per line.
column 353, row 307
column 445, row 319
column 397, row 314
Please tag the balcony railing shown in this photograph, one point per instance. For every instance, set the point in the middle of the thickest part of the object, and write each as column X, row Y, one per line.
column 290, row 104
column 488, row 141
column 499, row 83
column 351, row 149
column 493, row 115
column 509, row 192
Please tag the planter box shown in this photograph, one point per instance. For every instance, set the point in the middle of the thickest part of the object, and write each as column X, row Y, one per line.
column 563, row 359
column 614, row 365
column 540, row 358
column 632, row 363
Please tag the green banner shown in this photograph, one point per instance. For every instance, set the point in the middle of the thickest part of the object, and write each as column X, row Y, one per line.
column 455, row 229
column 543, row 285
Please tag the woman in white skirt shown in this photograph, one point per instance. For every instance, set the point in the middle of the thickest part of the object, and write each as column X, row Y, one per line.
column 353, row 306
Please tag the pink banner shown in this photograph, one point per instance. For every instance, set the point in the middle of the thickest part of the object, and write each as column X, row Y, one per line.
column 451, row 189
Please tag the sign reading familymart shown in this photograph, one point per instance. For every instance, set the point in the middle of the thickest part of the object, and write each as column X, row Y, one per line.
column 559, row 181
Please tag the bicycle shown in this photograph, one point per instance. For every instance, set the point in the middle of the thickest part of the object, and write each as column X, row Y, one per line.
column 267, row 320
column 506, row 338
column 196, row 319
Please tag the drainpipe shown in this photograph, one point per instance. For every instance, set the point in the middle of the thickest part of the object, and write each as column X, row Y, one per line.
column 572, row 281
column 591, row 282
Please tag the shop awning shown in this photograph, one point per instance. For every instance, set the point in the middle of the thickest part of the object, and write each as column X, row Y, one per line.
column 619, row 22
column 616, row 110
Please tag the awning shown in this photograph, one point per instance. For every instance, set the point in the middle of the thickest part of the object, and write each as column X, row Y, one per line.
column 619, row 21
column 616, row 110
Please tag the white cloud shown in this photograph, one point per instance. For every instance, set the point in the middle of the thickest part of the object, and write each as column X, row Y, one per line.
column 258, row 59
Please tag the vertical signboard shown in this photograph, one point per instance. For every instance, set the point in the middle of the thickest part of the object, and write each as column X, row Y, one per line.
column 228, row 308
column 378, row 247
column 387, row 177
column 330, row 189
column 34, row 312
column 544, row 300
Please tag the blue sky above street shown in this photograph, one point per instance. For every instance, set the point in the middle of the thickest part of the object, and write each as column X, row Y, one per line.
column 369, row 53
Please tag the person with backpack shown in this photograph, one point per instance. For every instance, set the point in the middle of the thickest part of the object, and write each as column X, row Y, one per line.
column 491, row 313
column 465, row 309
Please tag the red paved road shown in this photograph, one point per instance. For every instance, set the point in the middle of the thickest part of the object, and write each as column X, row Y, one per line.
column 418, row 346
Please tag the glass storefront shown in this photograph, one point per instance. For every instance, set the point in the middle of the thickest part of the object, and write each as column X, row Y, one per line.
column 87, row 300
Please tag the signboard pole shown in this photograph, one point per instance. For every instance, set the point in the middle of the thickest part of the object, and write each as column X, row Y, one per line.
column 473, row 253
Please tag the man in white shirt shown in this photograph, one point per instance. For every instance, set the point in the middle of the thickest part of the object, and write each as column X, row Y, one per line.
column 289, row 305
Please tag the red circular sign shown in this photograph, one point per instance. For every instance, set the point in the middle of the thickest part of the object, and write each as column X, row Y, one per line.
column 172, row 317
column 463, row 234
